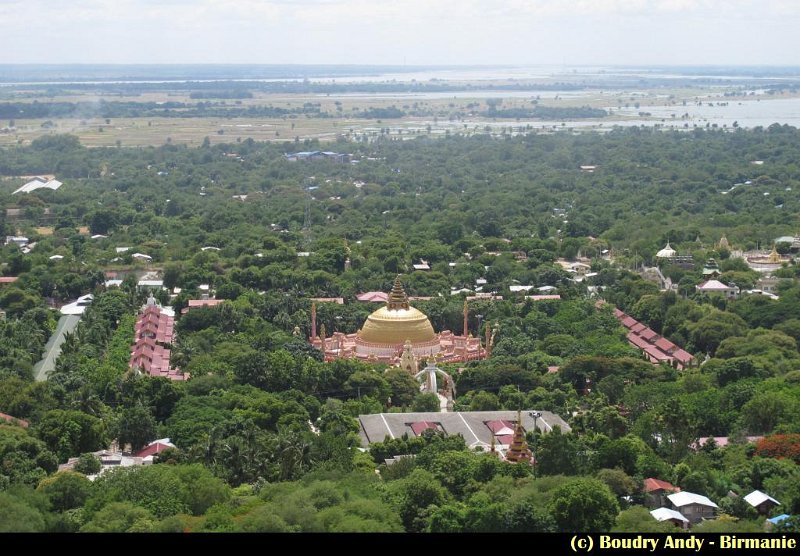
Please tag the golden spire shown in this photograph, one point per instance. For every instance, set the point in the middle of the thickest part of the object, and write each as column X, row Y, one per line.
column 397, row 297
column 519, row 451
column 774, row 257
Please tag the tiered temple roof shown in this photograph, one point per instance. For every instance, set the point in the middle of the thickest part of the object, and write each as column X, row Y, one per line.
column 519, row 451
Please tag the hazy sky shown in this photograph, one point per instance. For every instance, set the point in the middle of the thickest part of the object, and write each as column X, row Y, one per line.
column 401, row 31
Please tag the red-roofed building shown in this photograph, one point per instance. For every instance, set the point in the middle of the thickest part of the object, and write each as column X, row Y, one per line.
column 421, row 426
column 649, row 334
column 14, row 421
column 629, row 322
column 373, row 297
column 8, row 279
column 656, row 355
column 665, row 345
column 656, row 492
column 154, row 332
column 683, row 357
column 504, row 439
column 155, row 447
column 656, row 348
column 195, row 303
column 638, row 341
column 501, row 427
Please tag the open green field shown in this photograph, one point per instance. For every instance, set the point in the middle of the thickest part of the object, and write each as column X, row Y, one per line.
column 434, row 114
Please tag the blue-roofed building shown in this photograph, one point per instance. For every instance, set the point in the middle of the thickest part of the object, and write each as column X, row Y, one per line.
column 778, row 518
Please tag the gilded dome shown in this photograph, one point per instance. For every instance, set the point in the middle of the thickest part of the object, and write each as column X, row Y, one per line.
column 397, row 322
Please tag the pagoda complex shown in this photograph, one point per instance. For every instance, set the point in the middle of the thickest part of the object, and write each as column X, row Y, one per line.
column 393, row 329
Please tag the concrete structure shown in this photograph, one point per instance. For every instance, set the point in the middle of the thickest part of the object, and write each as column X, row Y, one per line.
column 793, row 241
column 480, row 429
column 386, row 331
column 20, row 241
column 667, row 252
column 695, row 507
column 717, row 287
column 317, row 155
column 114, row 457
column 39, row 182
column 150, row 285
column 78, row 306
column 768, row 284
column 66, row 325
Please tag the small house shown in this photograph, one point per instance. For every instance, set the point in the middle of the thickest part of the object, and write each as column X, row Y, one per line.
column 656, row 492
column 676, row 518
column 695, row 507
column 763, row 503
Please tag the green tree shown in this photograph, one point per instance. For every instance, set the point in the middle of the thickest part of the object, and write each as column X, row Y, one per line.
column 426, row 402
column 136, row 427
column 69, row 433
column 413, row 495
column 88, row 464
column 16, row 515
column 584, row 504
column 403, row 386
column 66, row 490
column 119, row 517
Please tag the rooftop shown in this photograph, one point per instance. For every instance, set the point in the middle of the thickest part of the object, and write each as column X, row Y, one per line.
column 472, row 425
column 651, row 485
column 756, row 498
column 680, row 499
column 664, row 514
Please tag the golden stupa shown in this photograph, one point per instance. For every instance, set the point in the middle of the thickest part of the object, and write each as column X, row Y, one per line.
column 397, row 322
column 774, row 256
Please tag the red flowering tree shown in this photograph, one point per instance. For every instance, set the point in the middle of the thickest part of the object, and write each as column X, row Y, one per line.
column 780, row 446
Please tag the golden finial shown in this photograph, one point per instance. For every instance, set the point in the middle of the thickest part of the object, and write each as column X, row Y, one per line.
column 397, row 297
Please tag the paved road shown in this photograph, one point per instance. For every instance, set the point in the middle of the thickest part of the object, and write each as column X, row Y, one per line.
column 66, row 324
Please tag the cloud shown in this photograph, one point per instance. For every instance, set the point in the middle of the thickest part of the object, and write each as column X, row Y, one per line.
column 391, row 31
